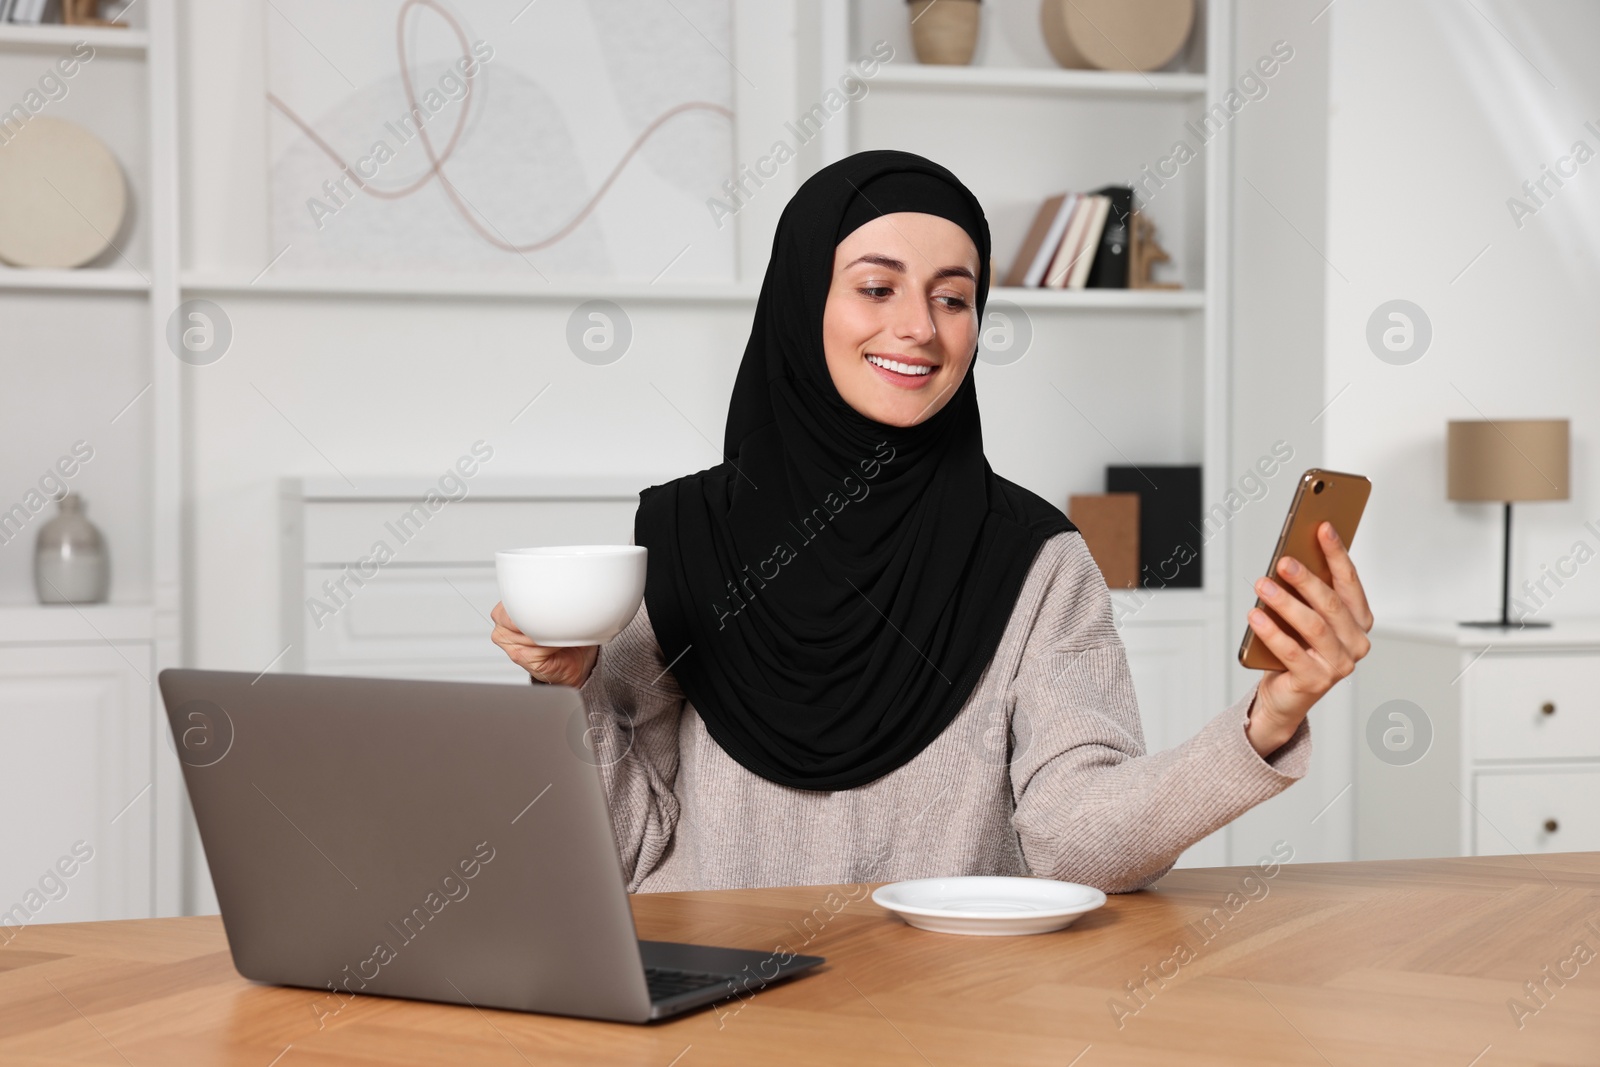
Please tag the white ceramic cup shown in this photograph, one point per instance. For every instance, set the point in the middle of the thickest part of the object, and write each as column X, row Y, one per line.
column 570, row 595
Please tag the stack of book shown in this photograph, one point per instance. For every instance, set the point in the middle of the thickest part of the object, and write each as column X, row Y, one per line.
column 26, row 11
column 1077, row 241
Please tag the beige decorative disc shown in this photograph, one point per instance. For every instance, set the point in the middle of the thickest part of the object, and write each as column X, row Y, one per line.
column 1115, row 34
column 62, row 195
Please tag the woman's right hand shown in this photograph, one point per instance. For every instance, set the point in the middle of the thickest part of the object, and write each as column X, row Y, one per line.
column 557, row 666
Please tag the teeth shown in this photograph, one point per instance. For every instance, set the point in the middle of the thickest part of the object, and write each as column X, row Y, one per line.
column 898, row 367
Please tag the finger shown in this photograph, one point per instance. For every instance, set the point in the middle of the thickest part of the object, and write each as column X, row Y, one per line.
column 1316, row 631
column 1345, row 579
column 1321, row 597
column 1350, row 622
column 532, row 660
column 503, row 636
column 503, row 617
column 1295, row 660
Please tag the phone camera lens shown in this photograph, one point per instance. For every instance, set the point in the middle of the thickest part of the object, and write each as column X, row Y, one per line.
column 1316, row 487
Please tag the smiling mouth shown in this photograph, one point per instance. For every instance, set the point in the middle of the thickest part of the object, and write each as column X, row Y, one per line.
column 909, row 370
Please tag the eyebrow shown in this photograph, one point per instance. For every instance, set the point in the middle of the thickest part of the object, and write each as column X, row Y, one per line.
column 890, row 263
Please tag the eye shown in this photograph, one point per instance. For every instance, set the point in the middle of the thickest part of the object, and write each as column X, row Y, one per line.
column 956, row 302
column 871, row 289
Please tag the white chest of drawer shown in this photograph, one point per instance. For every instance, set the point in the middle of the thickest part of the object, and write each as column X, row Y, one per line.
column 1478, row 742
column 418, row 607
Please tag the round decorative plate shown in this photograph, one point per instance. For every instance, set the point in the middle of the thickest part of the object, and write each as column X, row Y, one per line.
column 62, row 195
column 988, row 905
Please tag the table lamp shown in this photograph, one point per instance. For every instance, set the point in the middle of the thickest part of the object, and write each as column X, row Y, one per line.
column 1507, row 460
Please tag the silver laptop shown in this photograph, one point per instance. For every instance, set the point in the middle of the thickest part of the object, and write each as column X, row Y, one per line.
column 437, row 840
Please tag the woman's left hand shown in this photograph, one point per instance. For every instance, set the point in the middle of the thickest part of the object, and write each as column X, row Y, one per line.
column 1333, row 623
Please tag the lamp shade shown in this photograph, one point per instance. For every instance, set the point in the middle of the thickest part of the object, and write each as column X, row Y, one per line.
column 1508, row 459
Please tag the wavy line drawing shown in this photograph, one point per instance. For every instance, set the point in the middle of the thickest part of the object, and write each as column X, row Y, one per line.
column 437, row 159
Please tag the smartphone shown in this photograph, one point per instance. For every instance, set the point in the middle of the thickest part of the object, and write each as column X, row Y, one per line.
column 1322, row 496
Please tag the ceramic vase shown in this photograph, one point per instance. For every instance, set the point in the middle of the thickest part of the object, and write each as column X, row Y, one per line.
column 70, row 562
column 944, row 31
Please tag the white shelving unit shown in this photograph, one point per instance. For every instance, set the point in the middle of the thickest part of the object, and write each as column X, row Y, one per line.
column 51, row 39
column 109, row 280
column 462, row 286
column 87, row 673
column 1181, row 335
column 1078, row 130
column 1094, row 84
column 1103, row 299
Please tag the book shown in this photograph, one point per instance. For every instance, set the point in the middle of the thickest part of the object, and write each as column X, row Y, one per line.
column 1171, row 538
column 1109, row 523
column 1093, row 227
column 1110, row 270
column 1049, row 223
column 1061, row 262
column 1072, row 245
column 29, row 12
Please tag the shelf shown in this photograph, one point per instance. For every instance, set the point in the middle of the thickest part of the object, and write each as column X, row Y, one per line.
column 409, row 488
column 38, row 624
column 1102, row 299
column 465, row 286
column 87, row 280
column 1089, row 83
column 53, row 38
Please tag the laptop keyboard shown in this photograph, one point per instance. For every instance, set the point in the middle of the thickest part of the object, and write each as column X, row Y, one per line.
column 664, row 982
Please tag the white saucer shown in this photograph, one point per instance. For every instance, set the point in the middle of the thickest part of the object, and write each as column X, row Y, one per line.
column 988, row 905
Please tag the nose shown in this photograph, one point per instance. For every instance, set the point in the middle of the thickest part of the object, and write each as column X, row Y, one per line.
column 913, row 322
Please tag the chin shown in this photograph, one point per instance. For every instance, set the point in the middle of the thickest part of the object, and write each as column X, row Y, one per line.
column 901, row 415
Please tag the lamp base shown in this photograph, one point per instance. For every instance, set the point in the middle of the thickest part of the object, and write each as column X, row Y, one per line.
column 1498, row 625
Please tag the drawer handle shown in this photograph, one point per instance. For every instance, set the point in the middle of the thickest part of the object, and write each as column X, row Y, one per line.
column 1547, row 708
column 1551, row 826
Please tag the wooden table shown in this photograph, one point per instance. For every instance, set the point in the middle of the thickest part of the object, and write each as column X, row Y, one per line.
column 1393, row 962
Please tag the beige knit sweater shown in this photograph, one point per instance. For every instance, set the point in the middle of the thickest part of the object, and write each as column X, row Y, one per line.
column 1043, row 771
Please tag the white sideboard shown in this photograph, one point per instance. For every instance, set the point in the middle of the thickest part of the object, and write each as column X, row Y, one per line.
column 91, row 775
column 1478, row 742
column 424, row 611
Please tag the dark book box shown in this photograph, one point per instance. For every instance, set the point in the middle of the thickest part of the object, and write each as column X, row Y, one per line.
column 1170, row 534
column 1109, row 269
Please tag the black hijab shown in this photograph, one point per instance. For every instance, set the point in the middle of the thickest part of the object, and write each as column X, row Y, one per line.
column 828, row 596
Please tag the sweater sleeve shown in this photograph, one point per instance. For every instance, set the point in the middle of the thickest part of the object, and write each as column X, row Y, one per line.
column 1091, row 805
column 633, row 708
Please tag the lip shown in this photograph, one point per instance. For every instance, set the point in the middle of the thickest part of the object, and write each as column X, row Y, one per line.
column 904, row 381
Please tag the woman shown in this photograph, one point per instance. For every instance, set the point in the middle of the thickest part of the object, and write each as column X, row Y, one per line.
column 862, row 655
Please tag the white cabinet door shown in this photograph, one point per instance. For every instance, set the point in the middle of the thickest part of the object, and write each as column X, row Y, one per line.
column 78, row 784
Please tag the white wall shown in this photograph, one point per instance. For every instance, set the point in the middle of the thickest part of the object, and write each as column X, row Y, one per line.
column 1439, row 113
column 1435, row 114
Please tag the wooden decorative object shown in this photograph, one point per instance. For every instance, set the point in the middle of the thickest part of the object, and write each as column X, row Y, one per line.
column 944, row 31
column 1116, row 34
column 86, row 13
column 1144, row 253
column 62, row 195
column 1109, row 523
